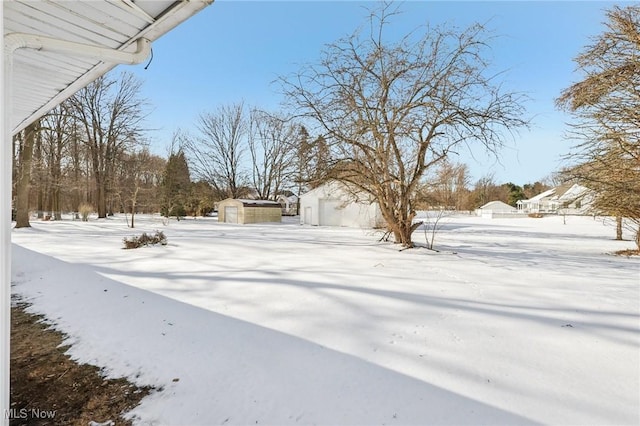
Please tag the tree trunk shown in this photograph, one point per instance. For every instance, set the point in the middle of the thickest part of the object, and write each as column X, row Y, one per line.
column 134, row 199
column 37, row 156
column 619, row 228
column 402, row 227
column 55, row 203
column 40, row 203
column 24, row 178
column 101, row 199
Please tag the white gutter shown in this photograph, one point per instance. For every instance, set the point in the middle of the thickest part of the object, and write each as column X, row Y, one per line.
column 13, row 42
column 167, row 20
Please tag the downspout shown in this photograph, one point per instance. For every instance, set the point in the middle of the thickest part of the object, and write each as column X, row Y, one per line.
column 13, row 42
column 6, row 156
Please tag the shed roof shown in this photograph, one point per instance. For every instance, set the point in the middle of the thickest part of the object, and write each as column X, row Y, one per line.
column 256, row 203
column 497, row 205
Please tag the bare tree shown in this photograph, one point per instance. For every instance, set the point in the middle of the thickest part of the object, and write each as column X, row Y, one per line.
column 77, row 168
column 448, row 188
column 273, row 154
column 216, row 155
column 137, row 175
column 392, row 110
column 56, row 130
column 110, row 112
column 431, row 224
column 606, row 105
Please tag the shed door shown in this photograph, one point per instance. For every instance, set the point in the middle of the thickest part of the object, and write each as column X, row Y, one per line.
column 230, row 214
column 307, row 215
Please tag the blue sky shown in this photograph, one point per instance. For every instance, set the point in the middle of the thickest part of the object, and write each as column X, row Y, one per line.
column 233, row 51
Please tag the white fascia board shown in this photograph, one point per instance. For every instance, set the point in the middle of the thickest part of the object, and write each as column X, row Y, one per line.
column 171, row 18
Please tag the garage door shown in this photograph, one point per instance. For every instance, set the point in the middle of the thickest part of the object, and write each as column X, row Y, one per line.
column 231, row 214
column 330, row 213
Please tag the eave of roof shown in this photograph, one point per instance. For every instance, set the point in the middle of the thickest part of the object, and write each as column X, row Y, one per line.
column 40, row 80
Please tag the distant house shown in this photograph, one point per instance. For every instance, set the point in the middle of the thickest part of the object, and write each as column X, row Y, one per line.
column 289, row 204
column 333, row 204
column 245, row 211
column 494, row 209
column 569, row 198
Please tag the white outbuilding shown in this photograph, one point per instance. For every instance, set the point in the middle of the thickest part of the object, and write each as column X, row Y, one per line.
column 244, row 211
column 496, row 209
column 333, row 204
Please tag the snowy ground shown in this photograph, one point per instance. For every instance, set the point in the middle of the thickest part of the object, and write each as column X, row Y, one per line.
column 514, row 321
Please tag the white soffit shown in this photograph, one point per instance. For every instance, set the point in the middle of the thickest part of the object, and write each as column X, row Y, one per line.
column 41, row 80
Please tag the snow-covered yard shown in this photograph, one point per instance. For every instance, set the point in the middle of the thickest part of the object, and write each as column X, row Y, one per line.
column 514, row 321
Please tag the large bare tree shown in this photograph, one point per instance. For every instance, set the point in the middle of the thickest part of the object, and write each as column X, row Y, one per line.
column 111, row 112
column 217, row 153
column 390, row 110
column 273, row 153
column 606, row 107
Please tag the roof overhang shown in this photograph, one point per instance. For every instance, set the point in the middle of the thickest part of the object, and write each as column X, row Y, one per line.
column 45, row 75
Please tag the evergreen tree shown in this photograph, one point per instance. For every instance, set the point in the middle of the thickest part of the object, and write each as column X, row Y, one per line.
column 176, row 185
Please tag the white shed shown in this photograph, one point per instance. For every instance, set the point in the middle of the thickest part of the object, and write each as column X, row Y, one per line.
column 496, row 209
column 244, row 211
column 332, row 204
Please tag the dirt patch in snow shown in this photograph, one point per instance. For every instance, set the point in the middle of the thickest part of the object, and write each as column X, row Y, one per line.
column 629, row 252
column 49, row 388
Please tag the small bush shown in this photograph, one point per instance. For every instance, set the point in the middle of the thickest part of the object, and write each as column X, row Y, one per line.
column 536, row 215
column 145, row 240
column 85, row 209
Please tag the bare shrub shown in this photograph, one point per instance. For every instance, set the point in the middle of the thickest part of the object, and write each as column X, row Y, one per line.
column 431, row 224
column 145, row 240
column 85, row 209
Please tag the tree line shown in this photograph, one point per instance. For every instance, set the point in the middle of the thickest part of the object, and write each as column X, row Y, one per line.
column 87, row 151
column 90, row 152
column 382, row 115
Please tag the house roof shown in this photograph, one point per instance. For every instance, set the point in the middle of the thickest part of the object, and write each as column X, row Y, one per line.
column 567, row 190
column 562, row 189
column 58, row 46
column 540, row 196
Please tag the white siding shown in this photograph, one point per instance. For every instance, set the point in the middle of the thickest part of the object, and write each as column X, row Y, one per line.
column 332, row 205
